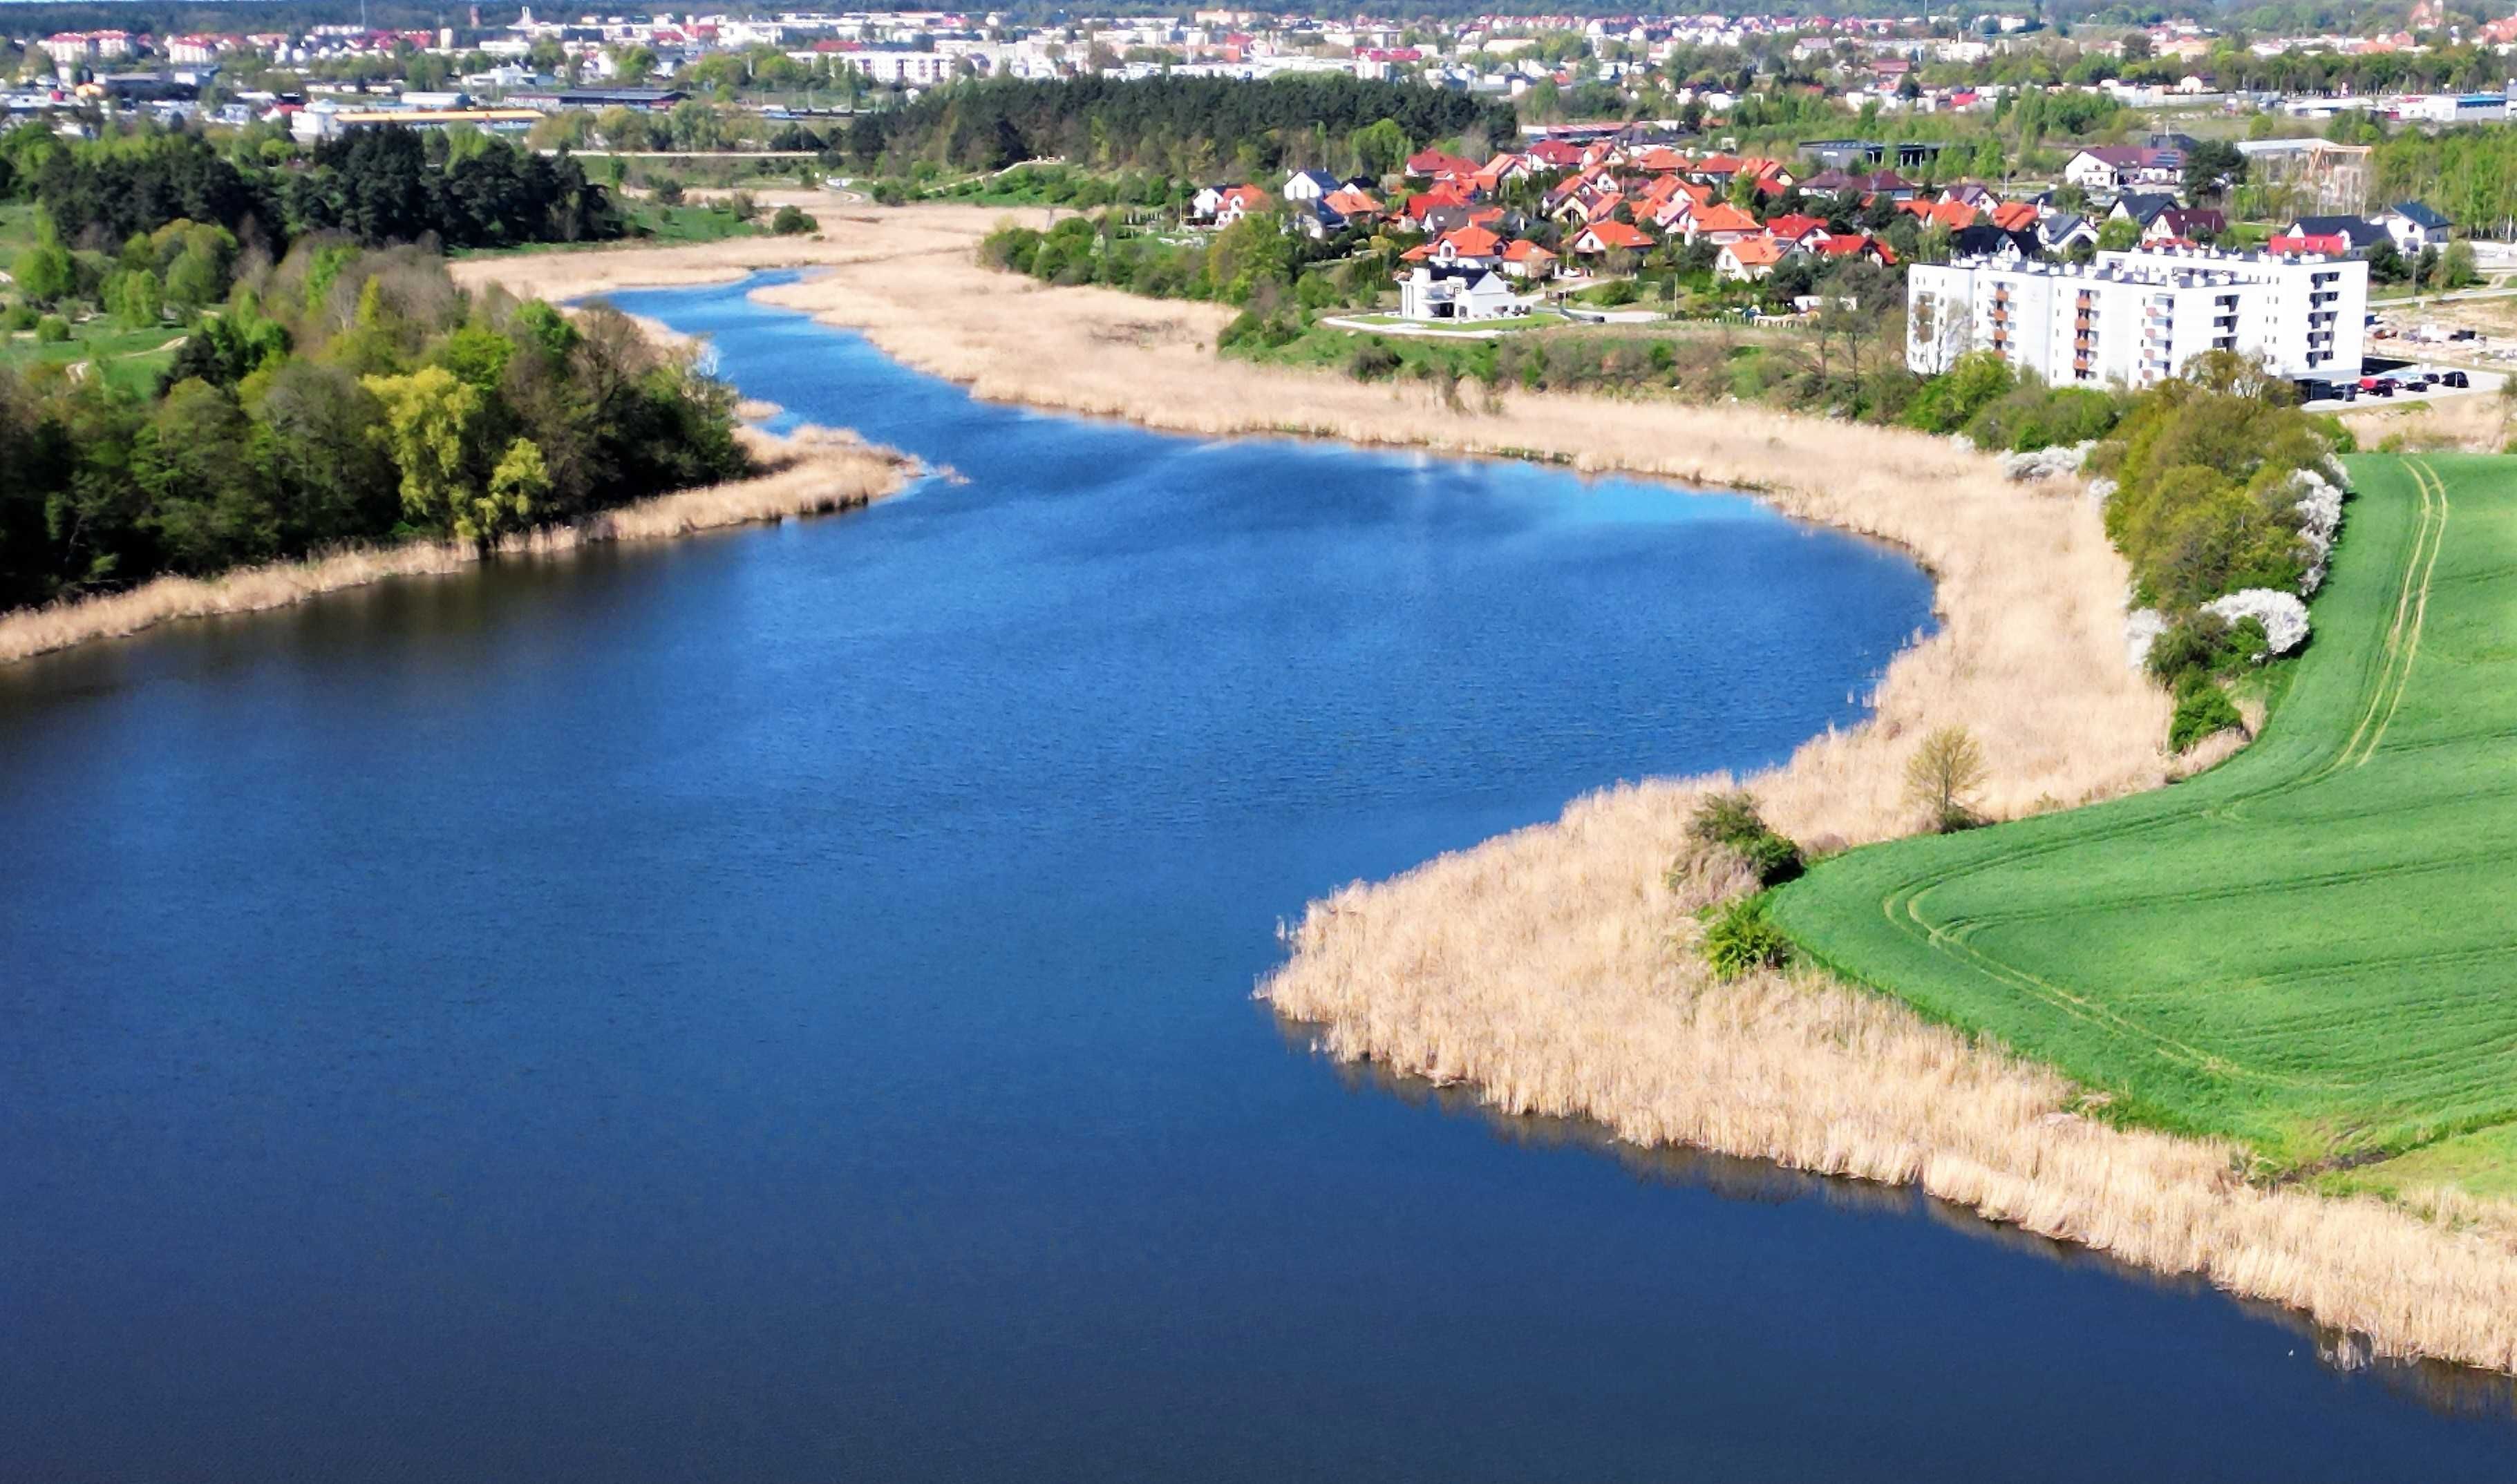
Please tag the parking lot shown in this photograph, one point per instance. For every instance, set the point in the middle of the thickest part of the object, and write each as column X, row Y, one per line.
column 2410, row 383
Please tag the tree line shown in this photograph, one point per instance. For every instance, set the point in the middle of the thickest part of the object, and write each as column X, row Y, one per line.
column 1197, row 128
column 377, row 185
column 344, row 395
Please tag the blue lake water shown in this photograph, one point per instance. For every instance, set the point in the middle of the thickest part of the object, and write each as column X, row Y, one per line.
column 777, row 1006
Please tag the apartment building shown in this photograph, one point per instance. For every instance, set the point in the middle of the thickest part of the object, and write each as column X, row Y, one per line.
column 2135, row 318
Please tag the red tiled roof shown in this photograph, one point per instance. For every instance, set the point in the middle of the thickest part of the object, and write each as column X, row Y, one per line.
column 1617, row 234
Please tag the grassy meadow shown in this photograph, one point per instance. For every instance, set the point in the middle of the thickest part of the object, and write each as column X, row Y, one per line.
column 2307, row 948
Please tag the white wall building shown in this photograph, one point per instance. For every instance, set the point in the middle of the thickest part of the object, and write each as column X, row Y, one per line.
column 2137, row 318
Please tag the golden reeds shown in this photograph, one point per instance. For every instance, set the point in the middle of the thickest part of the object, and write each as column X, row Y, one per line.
column 1550, row 968
column 812, row 471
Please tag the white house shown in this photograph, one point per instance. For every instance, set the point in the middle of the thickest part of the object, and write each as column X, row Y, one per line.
column 1467, row 293
column 2414, row 226
column 1305, row 186
column 2136, row 318
column 2106, row 171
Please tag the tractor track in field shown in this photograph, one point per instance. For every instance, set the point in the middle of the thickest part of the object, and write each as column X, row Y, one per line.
column 1904, row 904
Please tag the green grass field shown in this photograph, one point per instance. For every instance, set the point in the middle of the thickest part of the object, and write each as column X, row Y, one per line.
column 2312, row 948
column 126, row 358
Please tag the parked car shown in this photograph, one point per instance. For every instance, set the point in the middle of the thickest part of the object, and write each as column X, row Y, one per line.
column 2384, row 386
column 2465, row 335
column 2368, row 383
column 2457, row 379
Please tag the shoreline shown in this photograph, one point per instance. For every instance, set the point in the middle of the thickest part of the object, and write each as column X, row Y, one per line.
column 1548, row 969
column 810, row 472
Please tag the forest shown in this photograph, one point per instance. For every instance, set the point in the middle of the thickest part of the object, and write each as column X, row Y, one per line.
column 380, row 186
column 344, row 395
column 1194, row 128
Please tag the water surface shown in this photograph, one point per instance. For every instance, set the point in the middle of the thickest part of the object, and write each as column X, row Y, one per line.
column 778, row 1006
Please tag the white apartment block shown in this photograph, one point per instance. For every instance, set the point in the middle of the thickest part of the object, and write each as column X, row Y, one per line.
column 2136, row 318
column 908, row 68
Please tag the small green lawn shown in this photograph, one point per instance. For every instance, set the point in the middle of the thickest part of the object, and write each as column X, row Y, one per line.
column 130, row 359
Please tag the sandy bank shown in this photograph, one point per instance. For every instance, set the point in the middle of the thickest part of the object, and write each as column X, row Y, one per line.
column 813, row 471
column 1550, row 969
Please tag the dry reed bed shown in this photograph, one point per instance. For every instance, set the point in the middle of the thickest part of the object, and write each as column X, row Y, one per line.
column 813, row 471
column 1550, row 968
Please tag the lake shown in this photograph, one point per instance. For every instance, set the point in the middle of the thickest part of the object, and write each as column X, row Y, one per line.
column 778, row 1005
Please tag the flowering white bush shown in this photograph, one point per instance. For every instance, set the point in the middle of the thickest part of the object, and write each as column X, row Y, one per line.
column 2319, row 507
column 2282, row 616
column 2141, row 628
column 2101, row 489
column 2055, row 462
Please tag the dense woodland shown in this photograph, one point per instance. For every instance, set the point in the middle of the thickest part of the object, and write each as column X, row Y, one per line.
column 344, row 395
column 380, row 186
column 1195, row 128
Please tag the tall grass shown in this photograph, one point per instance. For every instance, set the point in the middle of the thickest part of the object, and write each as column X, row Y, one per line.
column 1550, row 968
column 813, row 471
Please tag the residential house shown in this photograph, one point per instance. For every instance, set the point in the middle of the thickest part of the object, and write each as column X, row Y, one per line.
column 1498, row 173
column 1467, row 248
column 1526, row 260
column 2139, row 207
column 2014, row 216
column 1886, row 183
column 1852, row 244
column 2107, row 171
column 2186, row 223
column 1795, row 228
column 1310, row 186
column 2059, row 231
column 1434, row 164
column 1601, row 238
column 2414, row 226
column 1317, row 219
column 1554, row 155
column 1719, row 223
column 1991, row 244
column 1956, row 216
column 1238, row 201
column 1750, row 260
column 1353, row 202
column 2329, row 234
column 1457, row 293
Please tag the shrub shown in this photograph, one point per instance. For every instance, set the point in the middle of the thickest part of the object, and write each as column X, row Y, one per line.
column 2037, row 416
column 668, row 192
column 1374, row 361
column 1731, row 822
column 1741, row 937
column 2207, row 497
column 743, row 206
column 1251, row 329
column 1947, row 402
column 792, row 220
column 2203, row 709
column 2206, row 644
column 18, row 316
column 51, row 329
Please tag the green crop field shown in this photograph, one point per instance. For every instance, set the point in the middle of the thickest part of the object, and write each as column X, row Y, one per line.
column 2313, row 948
